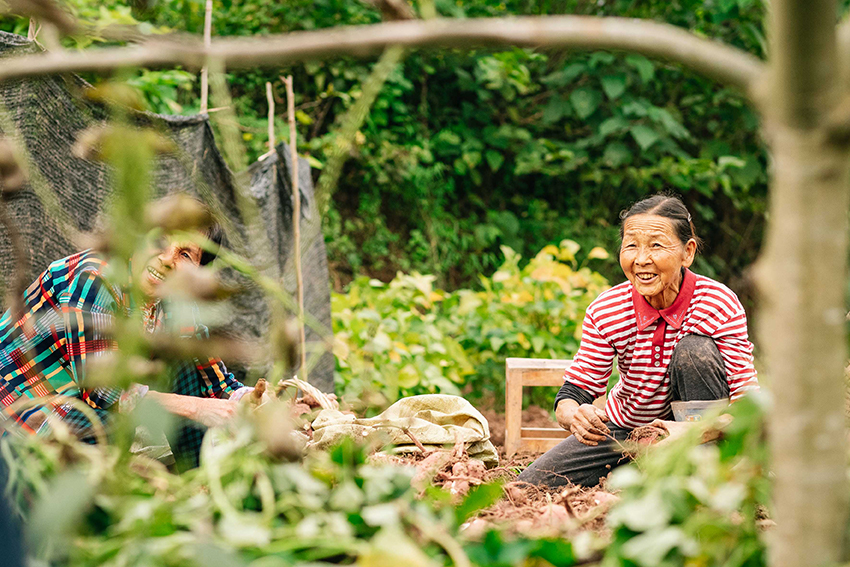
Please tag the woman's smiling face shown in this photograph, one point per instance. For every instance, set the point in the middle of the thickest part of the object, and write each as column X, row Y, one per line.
column 652, row 258
column 169, row 255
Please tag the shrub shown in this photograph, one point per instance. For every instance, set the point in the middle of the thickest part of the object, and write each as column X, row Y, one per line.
column 407, row 337
column 688, row 504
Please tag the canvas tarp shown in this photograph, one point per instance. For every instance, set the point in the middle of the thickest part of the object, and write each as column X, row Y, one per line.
column 435, row 420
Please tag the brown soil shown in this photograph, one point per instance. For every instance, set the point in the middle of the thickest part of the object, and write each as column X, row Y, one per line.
column 533, row 416
column 525, row 509
column 528, row 509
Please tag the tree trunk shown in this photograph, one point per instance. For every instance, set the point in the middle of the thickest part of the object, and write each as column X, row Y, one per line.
column 802, row 279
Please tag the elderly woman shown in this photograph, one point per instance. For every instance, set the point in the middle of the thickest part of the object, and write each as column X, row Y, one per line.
column 675, row 335
column 67, row 323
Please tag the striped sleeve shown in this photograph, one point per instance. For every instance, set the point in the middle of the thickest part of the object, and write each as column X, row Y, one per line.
column 593, row 362
column 217, row 382
column 214, row 380
column 87, row 310
column 737, row 351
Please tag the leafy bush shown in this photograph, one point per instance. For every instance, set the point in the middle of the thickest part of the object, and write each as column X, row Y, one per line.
column 409, row 338
column 688, row 504
column 490, row 148
column 87, row 506
column 395, row 340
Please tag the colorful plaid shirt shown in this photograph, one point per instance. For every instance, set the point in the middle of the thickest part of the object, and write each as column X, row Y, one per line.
column 68, row 313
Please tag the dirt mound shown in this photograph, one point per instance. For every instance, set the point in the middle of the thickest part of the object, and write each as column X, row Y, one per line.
column 525, row 509
column 452, row 470
column 529, row 509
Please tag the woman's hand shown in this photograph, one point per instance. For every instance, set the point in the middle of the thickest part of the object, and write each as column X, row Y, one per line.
column 213, row 412
column 585, row 421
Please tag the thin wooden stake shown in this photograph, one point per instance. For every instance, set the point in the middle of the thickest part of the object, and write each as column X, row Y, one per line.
column 296, row 224
column 205, row 72
column 270, row 100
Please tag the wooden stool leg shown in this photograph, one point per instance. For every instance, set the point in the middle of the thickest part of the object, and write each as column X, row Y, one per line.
column 513, row 411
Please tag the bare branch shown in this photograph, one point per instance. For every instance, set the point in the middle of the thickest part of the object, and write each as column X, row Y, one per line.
column 270, row 101
column 713, row 59
column 296, row 219
column 205, row 71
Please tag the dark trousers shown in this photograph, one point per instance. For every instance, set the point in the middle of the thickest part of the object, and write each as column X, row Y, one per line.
column 696, row 372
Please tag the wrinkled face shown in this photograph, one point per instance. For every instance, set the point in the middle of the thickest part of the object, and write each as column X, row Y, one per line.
column 170, row 255
column 652, row 257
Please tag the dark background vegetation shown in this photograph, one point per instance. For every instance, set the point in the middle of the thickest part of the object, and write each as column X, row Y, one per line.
column 463, row 153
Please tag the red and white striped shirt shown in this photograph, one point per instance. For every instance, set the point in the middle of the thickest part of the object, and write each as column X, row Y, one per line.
column 621, row 323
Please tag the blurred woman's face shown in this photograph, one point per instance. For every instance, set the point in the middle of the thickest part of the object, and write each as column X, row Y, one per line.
column 169, row 256
column 652, row 258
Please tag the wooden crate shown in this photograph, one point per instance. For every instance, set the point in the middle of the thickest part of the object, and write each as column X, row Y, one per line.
column 520, row 372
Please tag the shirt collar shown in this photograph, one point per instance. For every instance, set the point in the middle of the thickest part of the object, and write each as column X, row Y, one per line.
column 674, row 315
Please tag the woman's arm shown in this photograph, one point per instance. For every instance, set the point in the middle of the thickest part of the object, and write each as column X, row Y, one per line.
column 207, row 411
column 87, row 309
column 592, row 364
column 584, row 381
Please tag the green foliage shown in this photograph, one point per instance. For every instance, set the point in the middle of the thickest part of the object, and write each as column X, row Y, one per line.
column 241, row 505
column 161, row 89
column 495, row 551
column 394, row 339
column 465, row 152
column 409, row 338
column 689, row 504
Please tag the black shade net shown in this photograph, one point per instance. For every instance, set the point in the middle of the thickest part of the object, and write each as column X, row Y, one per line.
column 50, row 112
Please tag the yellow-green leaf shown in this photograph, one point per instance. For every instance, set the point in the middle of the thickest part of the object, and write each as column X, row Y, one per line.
column 598, row 253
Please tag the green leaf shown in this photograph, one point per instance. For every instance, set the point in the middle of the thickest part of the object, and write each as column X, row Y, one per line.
column 613, row 125
column 565, row 76
column 303, row 118
column 537, row 343
column 472, row 159
column 614, row 85
column 391, row 547
column 496, row 343
column 600, row 57
column 478, row 498
column 494, row 159
column 570, row 246
column 748, row 174
column 554, row 110
column 637, row 108
column 598, row 253
column 56, row 514
column 381, row 343
column 669, row 123
column 558, row 552
column 650, row 549
column 730, row 161
column 494, row 552
column 585, row 101
column 642, row 65
column 315, row 163
column 408, row 377
column 651, row 511
column 644, row 136
column 616, row 154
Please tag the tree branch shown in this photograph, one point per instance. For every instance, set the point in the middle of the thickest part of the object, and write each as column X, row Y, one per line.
column 713, row 59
